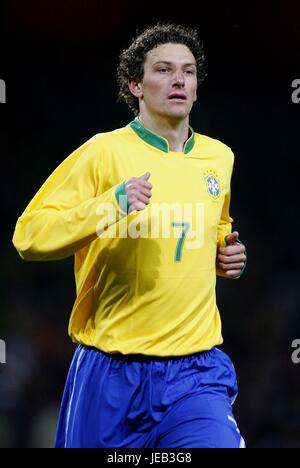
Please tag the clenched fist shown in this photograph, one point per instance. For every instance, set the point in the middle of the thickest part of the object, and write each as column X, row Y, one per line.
column 232, row 258
column 138, row 191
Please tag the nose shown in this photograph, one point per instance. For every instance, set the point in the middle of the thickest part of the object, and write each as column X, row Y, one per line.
column 178, row 79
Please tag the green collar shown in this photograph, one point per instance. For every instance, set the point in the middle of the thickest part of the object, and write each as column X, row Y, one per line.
column 156, row 140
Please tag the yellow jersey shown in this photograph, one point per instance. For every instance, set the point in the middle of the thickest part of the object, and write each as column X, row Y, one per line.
column 145, row 281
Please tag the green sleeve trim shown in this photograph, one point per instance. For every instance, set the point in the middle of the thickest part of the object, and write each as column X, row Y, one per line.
column 243, row 269
column 121, row 197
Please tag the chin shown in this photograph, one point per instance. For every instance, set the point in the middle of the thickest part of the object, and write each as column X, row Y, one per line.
column 179, row 112
column 178, row 115
column 174, row 114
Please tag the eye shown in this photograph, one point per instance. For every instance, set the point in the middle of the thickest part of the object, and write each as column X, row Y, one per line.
column 163, row 70
column 189, row 72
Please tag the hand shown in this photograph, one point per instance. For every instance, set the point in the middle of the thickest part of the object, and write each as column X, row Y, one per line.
column 138, row 191
column 231, row 259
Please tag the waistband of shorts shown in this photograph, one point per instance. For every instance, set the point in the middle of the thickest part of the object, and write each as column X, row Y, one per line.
column 146, row 357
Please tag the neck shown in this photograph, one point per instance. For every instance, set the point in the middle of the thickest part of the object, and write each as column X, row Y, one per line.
column 176, row 133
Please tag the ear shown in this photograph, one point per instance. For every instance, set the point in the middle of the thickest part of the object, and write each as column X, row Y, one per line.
column 135, row 87
column 195, row 96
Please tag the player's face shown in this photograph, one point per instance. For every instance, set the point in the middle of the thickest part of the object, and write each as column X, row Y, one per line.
column 169, row 84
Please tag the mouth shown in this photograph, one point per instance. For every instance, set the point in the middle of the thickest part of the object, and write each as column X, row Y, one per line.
column 178, row 97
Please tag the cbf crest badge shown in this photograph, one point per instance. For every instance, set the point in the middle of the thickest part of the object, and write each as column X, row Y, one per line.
column 213, row 184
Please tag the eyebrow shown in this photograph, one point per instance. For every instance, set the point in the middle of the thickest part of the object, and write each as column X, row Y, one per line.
column 166, row 62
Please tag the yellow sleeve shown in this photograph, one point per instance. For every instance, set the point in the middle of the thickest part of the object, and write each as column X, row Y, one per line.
column 64, row 214
column 225, row 224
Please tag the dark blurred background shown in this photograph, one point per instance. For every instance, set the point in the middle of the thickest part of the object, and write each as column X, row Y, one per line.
column 59, row 61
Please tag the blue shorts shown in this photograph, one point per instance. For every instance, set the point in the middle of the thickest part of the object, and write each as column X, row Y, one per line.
column 114, row 401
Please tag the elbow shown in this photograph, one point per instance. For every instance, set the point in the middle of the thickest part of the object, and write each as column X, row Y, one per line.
column 26, row 248
column 37, row 251
column 27, row 252
column 30, row 253
column 39, row 241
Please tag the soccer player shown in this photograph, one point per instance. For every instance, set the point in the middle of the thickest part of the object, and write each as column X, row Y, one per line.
column 145, row 211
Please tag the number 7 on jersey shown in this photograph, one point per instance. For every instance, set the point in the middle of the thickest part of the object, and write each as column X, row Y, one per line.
column 185, row 228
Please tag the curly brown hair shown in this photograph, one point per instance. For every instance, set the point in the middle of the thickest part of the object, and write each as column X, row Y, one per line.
column 131, row 64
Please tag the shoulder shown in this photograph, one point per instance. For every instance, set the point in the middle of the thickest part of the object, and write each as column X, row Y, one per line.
column 92, row 150
column 207, row 144
column 110, row 139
